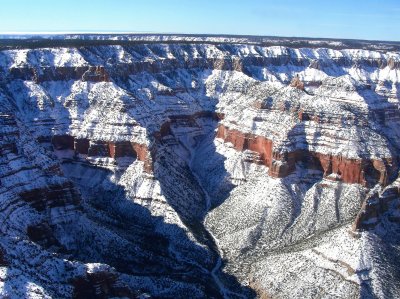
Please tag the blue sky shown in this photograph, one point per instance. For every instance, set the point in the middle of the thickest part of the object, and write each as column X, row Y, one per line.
column 362, row 19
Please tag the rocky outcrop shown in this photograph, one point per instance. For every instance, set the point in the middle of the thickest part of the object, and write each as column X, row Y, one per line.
column 63, row 142
column 124, row 149
column 91, row 64
column 57, row 195
column 9, row 134
column 246, row 141
column 118, row 149
column 42, row 234
column 101, row 283
column 98, row 148
column 95, row 74
column 81, row 145
column 43, row 74
column 354, row 171
column 105, row 149
column 379, row 205
column 297, row 83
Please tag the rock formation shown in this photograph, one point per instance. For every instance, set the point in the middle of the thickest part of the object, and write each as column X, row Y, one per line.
column 199, row 168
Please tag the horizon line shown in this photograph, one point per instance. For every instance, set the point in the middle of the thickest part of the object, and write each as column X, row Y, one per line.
column 123, row 32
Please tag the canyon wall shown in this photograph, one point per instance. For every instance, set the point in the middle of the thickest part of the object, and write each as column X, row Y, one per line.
column 199, row 170
column 352, row 171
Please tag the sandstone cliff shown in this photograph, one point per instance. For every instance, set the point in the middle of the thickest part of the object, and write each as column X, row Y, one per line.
column 182, row 169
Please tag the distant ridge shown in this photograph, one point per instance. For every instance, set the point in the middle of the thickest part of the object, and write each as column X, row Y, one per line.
column 40, row 40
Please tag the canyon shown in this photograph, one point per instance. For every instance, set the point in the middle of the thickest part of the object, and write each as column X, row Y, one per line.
column 167, row 166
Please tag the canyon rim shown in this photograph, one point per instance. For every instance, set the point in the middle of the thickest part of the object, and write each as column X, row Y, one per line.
column 194, row 166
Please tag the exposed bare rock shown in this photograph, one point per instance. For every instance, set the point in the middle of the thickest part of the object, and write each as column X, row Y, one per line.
column 296, row 82
column 101, row 282
column 351, row 171
column 378, row 205
column 199, row 170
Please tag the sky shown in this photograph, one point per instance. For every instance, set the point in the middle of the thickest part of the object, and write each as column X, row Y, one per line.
column 354, row 19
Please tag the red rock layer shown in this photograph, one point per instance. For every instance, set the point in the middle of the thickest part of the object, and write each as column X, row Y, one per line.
column 95, row 148
column 121, row 149
column 230, row 62
column 246, row 141
column 165, row 128
column 360, row 171
column 98, row 148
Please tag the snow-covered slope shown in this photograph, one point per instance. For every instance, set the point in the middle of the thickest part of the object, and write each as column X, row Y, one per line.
column 205, row 169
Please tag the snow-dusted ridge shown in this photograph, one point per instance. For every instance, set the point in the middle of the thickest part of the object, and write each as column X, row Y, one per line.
column 26, row 39
column 198, row 166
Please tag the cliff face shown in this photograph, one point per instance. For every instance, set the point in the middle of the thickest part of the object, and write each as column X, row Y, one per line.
column 136, row 169
column 366, row 172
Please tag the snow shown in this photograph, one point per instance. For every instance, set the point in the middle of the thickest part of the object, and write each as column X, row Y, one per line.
column 291, row 235
column 52, row 57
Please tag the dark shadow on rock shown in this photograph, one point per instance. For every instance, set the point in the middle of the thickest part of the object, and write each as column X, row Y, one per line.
column 176, row 169
column 148, row 253
column 173, row 168
column 116, row 231
column 140, row 246
column 302, row 160
column 383, row 256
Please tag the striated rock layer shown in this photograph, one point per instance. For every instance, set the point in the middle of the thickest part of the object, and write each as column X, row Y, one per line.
column 352, row 171
column 199, row 168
